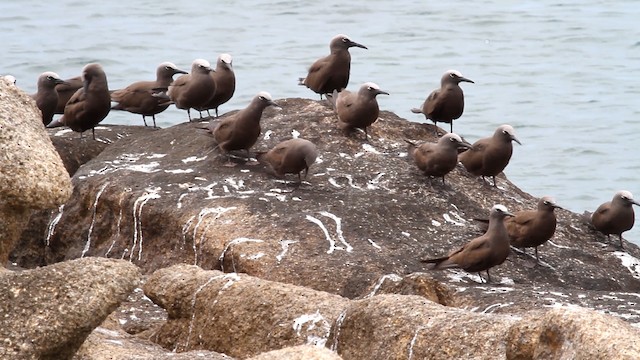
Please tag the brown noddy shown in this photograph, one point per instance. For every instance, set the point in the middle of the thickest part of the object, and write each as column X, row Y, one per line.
column 90, row 104
column 47, row 97
column 225, row 80
column 241, row 130
column 447, row 103
column 65, row 92
column 532, row 228
column 437, row 159
column 290, row 157
column 489, row 156
column 193, row 90
column 357, row 110
column 615, row 216
column 332, row 71
column 481, row 253
column 138, row 97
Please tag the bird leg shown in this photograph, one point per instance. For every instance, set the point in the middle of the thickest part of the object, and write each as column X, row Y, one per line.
column 537, row 258
column 488, row 277
column 189, row 113
column 495, row 184
column 93, row 132
column 144, row 120
column 154, row 122
column 216, row 112
column 621, row 246
column 208, row 113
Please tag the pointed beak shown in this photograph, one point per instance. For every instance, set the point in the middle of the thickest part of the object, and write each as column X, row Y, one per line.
column 272, row 103
column 353, row 43
column 179, row 71
column 516, row 140
column 60, row 81
column 381, row 92
column 464, row 145
column 466, row 80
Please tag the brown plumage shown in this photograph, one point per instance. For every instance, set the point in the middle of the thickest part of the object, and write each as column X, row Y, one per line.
column 290, row 157
column 90, row 104
column 241, row 130
column 357, row 110
column 138, row 97
column 47, row 98
column 225, row 80
column 193, row 90
column 615, row 216
column 332, row 71
column 489, row 156
column 437, row 159
column 65, row 92
column 447, row 103
column 481, row 253
column 532, row 228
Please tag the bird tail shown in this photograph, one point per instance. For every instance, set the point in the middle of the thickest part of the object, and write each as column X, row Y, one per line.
column 56, row 123
column 416, row 111
column 438, row 263
column 301, row 81
column 411, row 147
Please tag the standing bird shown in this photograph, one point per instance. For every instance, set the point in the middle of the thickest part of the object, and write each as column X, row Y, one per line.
column 89, row 105
column 290, row 157
column 47, row 97
column 138, row 97
column 532, row 228
column 241, row 130
column 481, row 253
column 615, row 216
column 65, row 92
column 332, row 71
column 193, row 90
column 447, row 103
column 225, row 80
column 437, row 159
column 357, row 110
column 490, row 155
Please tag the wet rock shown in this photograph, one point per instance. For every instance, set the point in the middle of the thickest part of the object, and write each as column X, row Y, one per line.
column 301, row 352
column 236, row 314
column 411, row 327
column 31, row 172
column 48, row 312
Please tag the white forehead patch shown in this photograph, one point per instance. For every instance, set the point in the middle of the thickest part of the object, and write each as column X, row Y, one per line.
column 226, row 58
column 168, row 64
column 500, row 207
column 507, row 128
column 455, row 72
column 201, row 62
column 50, row 73
column 549, row 199
column 371, row 85
column 626, row 194
column 455, row 136
column 265, row 95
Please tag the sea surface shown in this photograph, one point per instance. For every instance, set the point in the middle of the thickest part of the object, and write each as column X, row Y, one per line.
column 565, row 75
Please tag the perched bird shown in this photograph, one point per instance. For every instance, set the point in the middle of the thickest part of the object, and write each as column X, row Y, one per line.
column 290, row 157
column 47, row 97
column 357, row 110
column 332, row 71
column 90, row 104
column 437, row 159
column 481, row 253
column 65, row 92
column 447, row 103
column 193, row 90
column 138, row 97
column 490, row 155
column 225, row 80
column 241, row 130
column 615, row 216
column 532, row 228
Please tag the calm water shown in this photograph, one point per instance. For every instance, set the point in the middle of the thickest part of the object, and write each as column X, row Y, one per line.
column 565, row 75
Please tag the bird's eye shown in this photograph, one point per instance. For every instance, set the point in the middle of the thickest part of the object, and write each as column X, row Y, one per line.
column 50, row 78
column 505, row 132
column 345, row 40
column 546, row 202
column 262, row 98
column 452, row 139
column 168, row 67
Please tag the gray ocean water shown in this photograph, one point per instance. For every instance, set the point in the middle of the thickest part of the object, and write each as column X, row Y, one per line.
column 565, row 75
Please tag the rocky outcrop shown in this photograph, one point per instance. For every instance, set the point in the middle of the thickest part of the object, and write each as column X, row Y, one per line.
column 48, row 312
column 236, row 314
column 31, row 172
column 301, row 352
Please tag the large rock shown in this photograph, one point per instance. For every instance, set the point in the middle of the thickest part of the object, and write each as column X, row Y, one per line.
column 31, row 173
column 300, row 352
column 236, row 314
column 48, row 312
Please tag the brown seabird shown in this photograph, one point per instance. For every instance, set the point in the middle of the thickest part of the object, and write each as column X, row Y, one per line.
column 481, row 253
column 615, row 216
column 357, row 110
column 241, row 130
column 447, row 103
column 437, row 159
column 332, row 71
column 138, row 97
column 65, row 92
column 290, row 157
column 225, row 80
column 47, row 97
column 90, row 104
column 193, row 90
column 489, row 156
